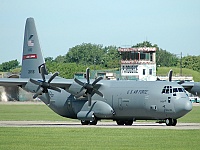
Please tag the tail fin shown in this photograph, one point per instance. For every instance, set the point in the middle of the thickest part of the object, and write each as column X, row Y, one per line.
column 32, row 58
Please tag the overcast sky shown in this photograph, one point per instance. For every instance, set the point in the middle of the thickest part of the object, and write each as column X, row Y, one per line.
column 174, row 25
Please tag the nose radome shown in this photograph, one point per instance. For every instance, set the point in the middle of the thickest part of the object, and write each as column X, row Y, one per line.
column 188, row 106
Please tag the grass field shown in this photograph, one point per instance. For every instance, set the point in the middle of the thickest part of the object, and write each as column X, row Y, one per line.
column 97, row 138
column 24, row 138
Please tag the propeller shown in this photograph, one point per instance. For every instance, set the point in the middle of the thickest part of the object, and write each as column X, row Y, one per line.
column 43, row 85
column 88, row 89
column 170, row 75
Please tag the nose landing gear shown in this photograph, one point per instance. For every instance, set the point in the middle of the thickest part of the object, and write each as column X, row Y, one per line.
column 171, row 122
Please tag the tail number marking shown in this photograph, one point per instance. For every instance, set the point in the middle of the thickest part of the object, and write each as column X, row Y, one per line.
column 31, row 71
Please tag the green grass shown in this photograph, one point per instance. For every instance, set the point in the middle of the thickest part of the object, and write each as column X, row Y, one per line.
column 42, row 112
column 28, row 113
column 97, row 138
column 163, row 71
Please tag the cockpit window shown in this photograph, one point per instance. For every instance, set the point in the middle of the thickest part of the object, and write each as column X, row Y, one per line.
column 180, row 90
column 175, row 90
column 167, row 90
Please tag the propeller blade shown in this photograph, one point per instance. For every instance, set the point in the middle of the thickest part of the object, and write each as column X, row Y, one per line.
column 87, row 88
column 55, row 89
column 79, row 82
column 53, row 76
column 48, row 98
column 98, row 92
column 44, row 86
column 97, row 80
column 38, row 88
column 88, row 75
column 34, row 81
column 42, row 71
column 89, row 99
column 170, row 75
column 38, row 92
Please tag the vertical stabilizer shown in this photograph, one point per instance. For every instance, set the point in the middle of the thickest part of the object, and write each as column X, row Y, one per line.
column 32, row 58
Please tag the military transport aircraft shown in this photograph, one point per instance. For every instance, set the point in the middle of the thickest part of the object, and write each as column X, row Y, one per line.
column 93, row 100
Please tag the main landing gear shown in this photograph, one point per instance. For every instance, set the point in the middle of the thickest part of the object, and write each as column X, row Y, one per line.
column 171, row 122
column 86, row 122
column 124, row 122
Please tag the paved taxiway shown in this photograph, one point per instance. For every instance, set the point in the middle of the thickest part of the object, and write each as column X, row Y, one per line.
column 68, row 124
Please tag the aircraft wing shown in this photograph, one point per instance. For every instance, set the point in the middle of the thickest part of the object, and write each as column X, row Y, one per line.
column 67, row 84
column 13, row 81
column 62, row 83
column 187, row 85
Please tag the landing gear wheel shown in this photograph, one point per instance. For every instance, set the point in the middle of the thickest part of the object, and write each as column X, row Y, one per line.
column 168, row 121
column 174, row 122
column 120, row 122
column 84, row 122
column 128, row 122
column 94, row 122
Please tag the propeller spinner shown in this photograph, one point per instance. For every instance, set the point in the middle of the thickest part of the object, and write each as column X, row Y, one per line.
column 43, row 85
column 87, row 88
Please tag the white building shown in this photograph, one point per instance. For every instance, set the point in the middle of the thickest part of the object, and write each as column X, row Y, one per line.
column 138, row 63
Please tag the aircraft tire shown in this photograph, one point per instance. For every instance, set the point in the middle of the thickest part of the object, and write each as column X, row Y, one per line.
column 94, row 122
column 120, row 122
column 84, row 122
column 168, row 121
column 128, row 122
column 174, row 122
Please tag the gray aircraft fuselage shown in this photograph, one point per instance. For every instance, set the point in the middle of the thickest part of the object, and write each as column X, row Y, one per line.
column 136, row 100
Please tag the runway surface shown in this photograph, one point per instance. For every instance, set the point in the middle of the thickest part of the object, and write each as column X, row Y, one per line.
column 67, row 124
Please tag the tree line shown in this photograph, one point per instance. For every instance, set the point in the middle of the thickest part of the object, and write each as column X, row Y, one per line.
column 97, row 56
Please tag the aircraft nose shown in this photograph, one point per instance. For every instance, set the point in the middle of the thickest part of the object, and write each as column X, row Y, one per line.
column 188, row 106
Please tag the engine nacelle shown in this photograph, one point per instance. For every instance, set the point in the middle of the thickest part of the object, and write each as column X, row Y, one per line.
column 195, row 89
column 98, row 109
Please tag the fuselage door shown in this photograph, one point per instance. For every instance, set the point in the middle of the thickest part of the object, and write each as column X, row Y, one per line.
column 120, row 104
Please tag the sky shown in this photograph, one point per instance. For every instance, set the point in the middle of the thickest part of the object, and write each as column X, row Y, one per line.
column 174, row 25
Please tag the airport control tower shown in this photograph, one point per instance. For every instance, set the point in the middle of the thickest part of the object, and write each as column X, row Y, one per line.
column 138, row 63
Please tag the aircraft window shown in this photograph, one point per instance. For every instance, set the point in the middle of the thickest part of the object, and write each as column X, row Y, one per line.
column 175, row 90
column 167, row 90
column 180, row 90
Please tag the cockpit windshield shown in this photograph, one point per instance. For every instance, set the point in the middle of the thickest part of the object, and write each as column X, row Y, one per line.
column 169, row 89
